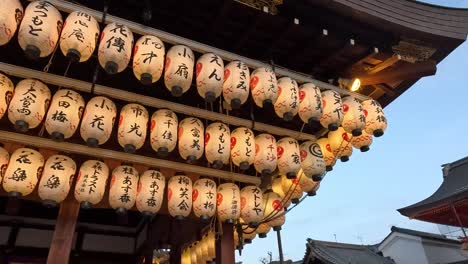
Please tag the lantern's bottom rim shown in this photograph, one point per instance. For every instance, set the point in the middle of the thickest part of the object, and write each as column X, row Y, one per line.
column 267, row 103
column 86, row 205
column 111, row 67
column 356, row 132
column 262, row 235
column 311, row 193
column 218, row 164
column 317, row 177
column 121, row 211
column 73, row 55
column 276, row 228
column 146, row 78
column 92, row 142
column 295, row 200
column 364, row 148
column 148, row 214
column 229, row 221
column 176, row 91
column 328, row 168
column 311, row 121
column 21, row 126
column 210, row 97
column 57, row 136
column 191, row 159
column 236, row 103
column 162, row 152
column 49, row 203
column 205, row 218
column 288, row 116
column 332, row 127
column 32, row 52
column 378, row 133
column 129, row 148
column 248, row 241
column 266, row 173
column 344, row 158
column 290, row 175
column 15, row 194
column 244, row 165
column 254, row 224
column 179, row 217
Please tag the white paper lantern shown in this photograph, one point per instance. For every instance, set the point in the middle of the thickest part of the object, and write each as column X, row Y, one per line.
column 79, row 36
column 307, row 184
column 248, row 232
column 98, row 121
column 327, row 152
column 133, row 124
column 23, row 172
column 310, row 103
column 148, row 59
column 91, row 183
column 209, row 75
column 289, row 160
column 354, row 119
column 204, row 198
column 178, row 70
column 228, row 202
column 191, row 140
column 376, row 122
column 115, row 48
column 29, row 104
column 56, row 179
column 265, row 161
column 217, row 144
column 242, row 147
column 163, row 131
column 150, row 192
column 4, row 159
column 274, row 210
column 64, row 114
column 11, row 14
column 40, row 29
column 263, row 229
column 6, row 92
column 236, row 84
column 277, row 187
column 332, row 110
column 291, row 188
column 264, row 86
column 123, row 188
column 287, row 104
column 312, row 161
column 340, row 144
column 251, row 205
column 179, row 196
column 362, row 142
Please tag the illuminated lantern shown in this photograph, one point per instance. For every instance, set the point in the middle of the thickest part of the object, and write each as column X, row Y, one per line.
column 228, row 202
column 185, row 258
column 163, row 131
column 23, row 172
column 340, row 144
column 98, row 121
column 274, row 210
column 307, row 184
column 289, row 161
column 56, row 179
column 205, row 248
column 209, row 74
column 123, row 188
column 10, row 18
column 291, row 189
column 332, row 110
column 236, row 84
column 115, row 48
column 204, row 198
column 191, row 140
column 265, row 161
column 6, row 90
column 354, row 119
column 29, row 104
column 211, row 244
column 242, row 147
column 251, row 205
column 178, row 70
column 310, row 103
column 327, row 152
column 312, row 162
column 376, row 122
column 264, row 86
column 179, row 196
column 150, row 192
column 277, row 187
column 64, row 114
column 148, row 59
column 79, row 36
column 199, row 250
column 248, row 232
column 4, row 159
column 40, row 29
column 217, row 144
column 362, row 142
column 263, row 229
column 133, row 124
column 193, row 254
column 91, row 183
column 287, row 104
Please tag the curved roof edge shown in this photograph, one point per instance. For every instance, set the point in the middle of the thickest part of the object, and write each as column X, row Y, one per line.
column 438, row 6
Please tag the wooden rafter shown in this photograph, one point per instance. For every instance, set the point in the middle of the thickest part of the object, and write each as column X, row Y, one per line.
column 385, row 64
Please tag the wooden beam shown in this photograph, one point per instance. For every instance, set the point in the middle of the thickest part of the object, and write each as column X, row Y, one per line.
column 385, row 64
column 385, row 88
column 225, row 245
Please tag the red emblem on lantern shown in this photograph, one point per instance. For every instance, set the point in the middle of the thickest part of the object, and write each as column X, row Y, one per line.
column 345, row 136
column 365, row 112
column 135, row 49
column 112, row 180
column 303, row 155
column 253, row 82
column 227, row 72
column 345, row 108
column 277, row 205
column 168, row 62
column 207, row 138
column 328, row 148
column 324, row 103
column 120, row 120
column 219, row 199
column 194, row 194
column 243, row 202
column 169, row 194
column 181, row 132
column 153, row 124
column 198, row 68
column 279, row 151
column 139, row 187
column 302, row 95
column 279, row 90
column 233, row 142
column 257, row 149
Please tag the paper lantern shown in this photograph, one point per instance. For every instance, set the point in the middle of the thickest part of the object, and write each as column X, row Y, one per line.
column 291, row 188
column 287, row 104
column 115, row 48
column 91, row 183
column 265, row 161
column 163, row 131
column 242, row 147
column 133, row 124
column 40, row 29
column 29, row 104
column 204, row 198
column 236, row 84
column 123, row 188
column 263, row 229
column 307, row 184
column 211, row 244
column 289, row 161
column 332, row 110
column 11, row 14
column 148, row 59
column 340, row 144
column 179, row 196
column 277, row 187
column 178, row 70
column 251, row 205
column 185, row 258
column 327, row 152
column 376, row 122
column 362, row 142
column 199, row 249
column 79, row 36
column 64, row 114
column 228, row 202
column 310, row 103
column 248, row 232
column 205, row 248
column 4, row 159
column 354, row 119
column 6, row 91
column 150, row 192
column 274, row 210
column 56, row 179
column 191, row 140
column 264, row 87
column 217, row 144
column 98, row 121
column 312, row 161
column 193, row 254
column 23, row 172
column 209, row 75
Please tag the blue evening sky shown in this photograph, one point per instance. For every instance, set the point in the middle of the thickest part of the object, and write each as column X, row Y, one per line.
column 428, row 127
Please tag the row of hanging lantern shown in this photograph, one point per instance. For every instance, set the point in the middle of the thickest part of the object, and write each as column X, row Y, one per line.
column 202, row 251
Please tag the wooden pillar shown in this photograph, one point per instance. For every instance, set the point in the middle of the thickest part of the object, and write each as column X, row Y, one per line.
column 225, row 245
column 62, row 240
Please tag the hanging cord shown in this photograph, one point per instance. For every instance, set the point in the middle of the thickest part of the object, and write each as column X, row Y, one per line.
column 96, row 68
column 46, row 68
